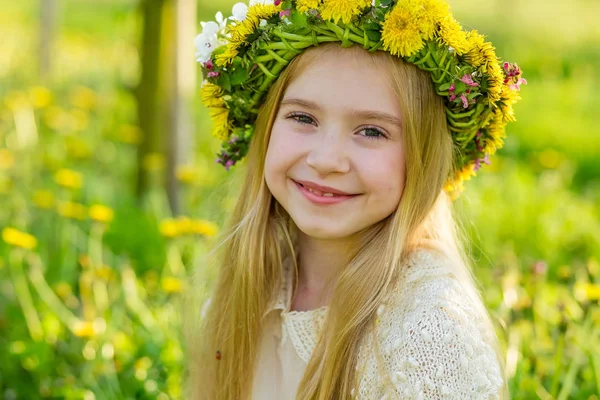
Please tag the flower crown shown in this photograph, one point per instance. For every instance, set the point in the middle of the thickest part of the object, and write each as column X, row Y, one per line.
column 241, row 57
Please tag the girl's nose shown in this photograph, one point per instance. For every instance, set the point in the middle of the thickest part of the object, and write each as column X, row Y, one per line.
column 329, row 154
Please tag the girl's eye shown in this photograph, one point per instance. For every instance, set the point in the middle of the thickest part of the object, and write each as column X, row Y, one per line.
column 374, row 131
column 301, row 118
column 304, row 119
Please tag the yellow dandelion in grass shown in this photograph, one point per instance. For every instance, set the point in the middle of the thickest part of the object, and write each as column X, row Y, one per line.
column 187, row 174
column 206, row 228
column 305, row 5
column 105, row 273
column 345, row 10
column 401, row 30
column 83, row 97
column 63, row 290
column 172, row 285
column 220, row 120
column 101, row 213
column 17, row 238
column 169, row 228
column 130, row 134
column 43, row 199
column 40, row 97
column 84, row 329
column 72, row 210
column 452, row 34
column 68, row 178
column 184, row 225
column 7, row 159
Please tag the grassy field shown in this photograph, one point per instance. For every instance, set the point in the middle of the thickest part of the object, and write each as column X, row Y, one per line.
column 91, row 282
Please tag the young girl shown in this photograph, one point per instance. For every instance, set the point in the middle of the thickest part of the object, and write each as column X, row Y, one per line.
column 342, row 273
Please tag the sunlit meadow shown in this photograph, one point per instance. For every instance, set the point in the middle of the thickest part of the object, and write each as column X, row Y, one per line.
column 92, row 275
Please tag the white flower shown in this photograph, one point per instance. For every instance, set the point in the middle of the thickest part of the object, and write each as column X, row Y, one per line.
column 204, row 46
column 210, row 28
column 239, row 11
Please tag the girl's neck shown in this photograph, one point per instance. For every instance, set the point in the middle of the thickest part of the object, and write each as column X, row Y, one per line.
column 320, row 260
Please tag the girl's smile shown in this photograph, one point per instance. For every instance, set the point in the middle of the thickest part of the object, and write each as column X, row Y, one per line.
column 320, row 197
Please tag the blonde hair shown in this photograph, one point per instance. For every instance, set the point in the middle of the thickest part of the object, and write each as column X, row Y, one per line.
column 260, row 234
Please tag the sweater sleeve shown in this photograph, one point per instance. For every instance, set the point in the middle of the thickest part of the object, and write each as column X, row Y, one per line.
column 441, row 353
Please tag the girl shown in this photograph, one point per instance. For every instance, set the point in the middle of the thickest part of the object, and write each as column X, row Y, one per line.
column 342, row 273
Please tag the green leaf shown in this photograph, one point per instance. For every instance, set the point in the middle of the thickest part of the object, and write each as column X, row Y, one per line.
column 460, row 87
column 239, row 75
column 299, row 19
column 286, row 4
column 444, row 86
column 224, row 81
column 374, row 36
column 386, row 3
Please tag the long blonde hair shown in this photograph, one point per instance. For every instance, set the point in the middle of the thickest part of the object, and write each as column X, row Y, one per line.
column 259, row 234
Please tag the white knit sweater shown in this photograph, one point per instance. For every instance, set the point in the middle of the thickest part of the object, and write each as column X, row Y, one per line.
column 432, row 342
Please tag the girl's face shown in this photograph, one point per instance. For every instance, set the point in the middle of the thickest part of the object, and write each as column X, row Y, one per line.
column 338, row 126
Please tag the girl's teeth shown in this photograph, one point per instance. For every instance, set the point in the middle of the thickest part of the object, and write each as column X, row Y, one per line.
column 320, row 193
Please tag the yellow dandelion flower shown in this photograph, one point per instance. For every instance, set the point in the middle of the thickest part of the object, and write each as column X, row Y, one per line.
column 242, row 29
column 72, row 210
column 43, row 199
column 130, row 134
column 206, row 228
column 84, row 329
column 169, row 228
column 63, row 290
column 508, row 98
column 17, row 238
column 431, row 14
column 452, row 34
column 7, row 159
column 497, row 132
column 172, row 285
column 495, row 81
column 105, row 273
column 401, row 33
column 345, row 10
column 227, row 56
column 184, row 225
column 211, row 95
column 68, row 178
column 220, row 120
column 40, row 97
column 83, row 97
column 186, row 174
column 305, row 5
column 454, row 188
column 475, row 56
column 101, row 213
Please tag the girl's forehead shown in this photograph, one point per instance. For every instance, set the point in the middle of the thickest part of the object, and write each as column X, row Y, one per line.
column 345, row 82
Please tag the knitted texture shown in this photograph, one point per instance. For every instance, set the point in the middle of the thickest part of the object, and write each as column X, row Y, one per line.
column 432, row 342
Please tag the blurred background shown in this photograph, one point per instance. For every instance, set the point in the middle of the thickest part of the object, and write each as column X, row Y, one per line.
column 110, row 196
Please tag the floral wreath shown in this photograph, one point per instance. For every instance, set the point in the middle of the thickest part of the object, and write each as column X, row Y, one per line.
column 241, row 57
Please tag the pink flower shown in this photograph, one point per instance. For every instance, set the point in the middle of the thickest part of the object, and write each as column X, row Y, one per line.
column 478, row 162
column 284, row 13
column 212, row 74
column 228, row 164
column 513, row 76
column 209, row 64
column 468, row 79
column 465, row 101
column 277, row 2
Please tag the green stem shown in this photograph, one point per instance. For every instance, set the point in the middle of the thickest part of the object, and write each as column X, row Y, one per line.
column 38, row 281
column 136, row 305
column 32, row 319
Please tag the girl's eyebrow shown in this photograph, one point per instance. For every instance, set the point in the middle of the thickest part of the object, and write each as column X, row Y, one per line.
column 366, row 114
